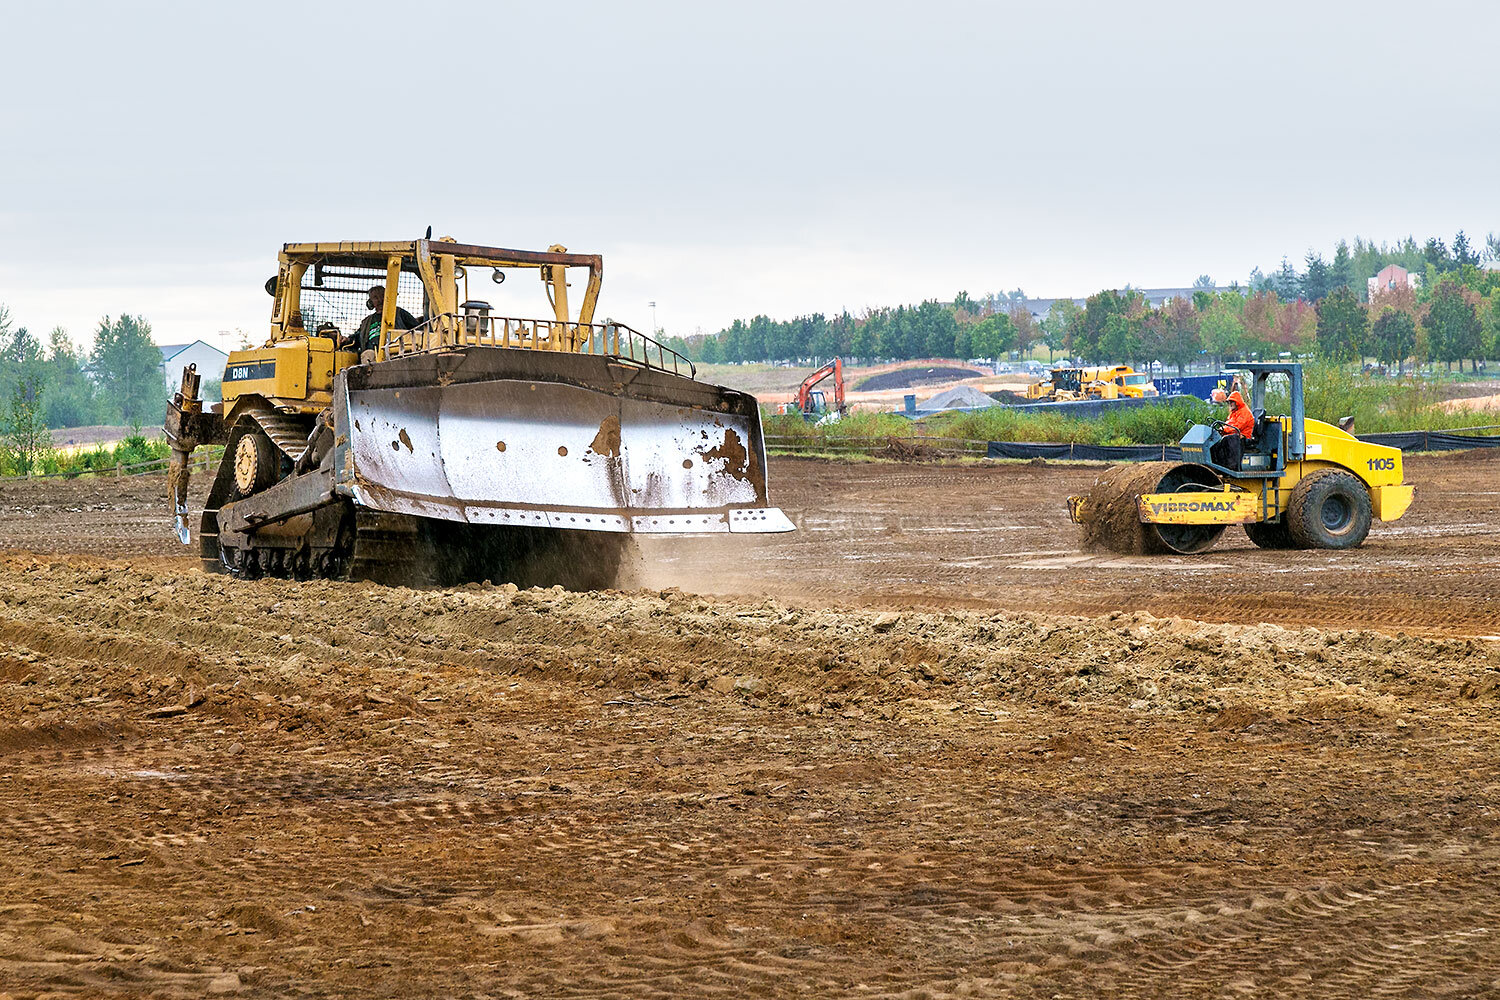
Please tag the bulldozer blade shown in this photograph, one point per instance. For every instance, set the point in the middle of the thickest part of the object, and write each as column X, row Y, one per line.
column 539, row 439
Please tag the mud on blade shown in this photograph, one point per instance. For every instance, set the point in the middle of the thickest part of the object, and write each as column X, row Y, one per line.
column 550, row 439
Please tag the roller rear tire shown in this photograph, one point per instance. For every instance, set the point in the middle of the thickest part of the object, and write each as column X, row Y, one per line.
column 1329, row 509
column 1271, row 534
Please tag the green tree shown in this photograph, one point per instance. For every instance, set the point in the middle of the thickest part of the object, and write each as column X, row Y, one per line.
column 1341, row 270
column 825, row 342
column 963, row 341
column 126, row 366
column 994, row 336
column 862, row 342
column 1316, row 282
column 1059, row 328
column 678, row 344
column 70, row 394
column 27, row 443
column 938, row 329
column 1435, row 254
column 1453, row 325
column 1027, row 330
column 1203, row 292
column 1463, row 254
column 1286, row 283
column 1491, row 316
column 1222, row 327
column 1393, row 336
column 1259, row 317
column 1124, row 336
column 1098, row 321
column 1343, row 325
column 1173, row 333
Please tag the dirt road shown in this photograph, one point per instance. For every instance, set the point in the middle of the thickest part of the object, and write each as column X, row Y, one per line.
column 985, row 536
column 911, row 770
column 998, row 537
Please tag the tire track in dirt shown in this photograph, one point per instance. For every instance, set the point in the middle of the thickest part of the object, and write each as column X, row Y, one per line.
column 341, row 790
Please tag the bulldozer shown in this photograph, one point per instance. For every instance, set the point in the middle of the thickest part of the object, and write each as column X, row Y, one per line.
column 1300, row 483
column 441, row 440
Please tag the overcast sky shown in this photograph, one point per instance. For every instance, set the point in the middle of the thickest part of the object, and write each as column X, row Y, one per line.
column 726, row 159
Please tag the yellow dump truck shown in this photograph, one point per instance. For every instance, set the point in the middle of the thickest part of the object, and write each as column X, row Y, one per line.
column 1127, row 382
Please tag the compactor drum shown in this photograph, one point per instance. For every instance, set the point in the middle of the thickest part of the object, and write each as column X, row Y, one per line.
column 1300, row 483
column 435, row 442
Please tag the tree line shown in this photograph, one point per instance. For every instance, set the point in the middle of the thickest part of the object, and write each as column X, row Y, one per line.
column 1452, row 316
column 54, row 384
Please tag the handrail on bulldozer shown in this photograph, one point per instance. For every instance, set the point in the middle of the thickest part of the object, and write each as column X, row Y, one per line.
column 447, row 331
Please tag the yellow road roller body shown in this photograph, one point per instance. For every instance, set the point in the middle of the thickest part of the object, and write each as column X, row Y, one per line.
column 1299, row 483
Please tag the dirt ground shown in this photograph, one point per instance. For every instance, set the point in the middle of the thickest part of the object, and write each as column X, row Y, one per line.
column 920, row 748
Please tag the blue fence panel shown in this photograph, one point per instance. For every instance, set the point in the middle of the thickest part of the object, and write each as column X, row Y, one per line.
column 1197, row 386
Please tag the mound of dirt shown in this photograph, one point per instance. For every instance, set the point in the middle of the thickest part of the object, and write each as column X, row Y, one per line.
column 1006, row 397
column 1113, row 518
column 907, row 378
column 960, row 397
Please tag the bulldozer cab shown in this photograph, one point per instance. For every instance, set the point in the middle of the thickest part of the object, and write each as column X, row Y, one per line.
column 1277, row 440
column 1067, row 379
column 436, row 295
column 444, row 288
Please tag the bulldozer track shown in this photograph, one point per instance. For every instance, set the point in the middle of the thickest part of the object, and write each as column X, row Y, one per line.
column 287, row 432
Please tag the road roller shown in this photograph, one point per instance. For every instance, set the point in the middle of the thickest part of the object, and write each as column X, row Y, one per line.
column 1299, row 484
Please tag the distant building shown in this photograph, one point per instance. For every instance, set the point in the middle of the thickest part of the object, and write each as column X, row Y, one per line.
column 175, row 357
column 1392, row 276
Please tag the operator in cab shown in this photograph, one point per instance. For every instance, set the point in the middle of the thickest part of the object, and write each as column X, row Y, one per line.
column 1238, row 427
column 368, row 334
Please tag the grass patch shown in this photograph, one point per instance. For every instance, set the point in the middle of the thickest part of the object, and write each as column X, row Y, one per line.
column 133, row 450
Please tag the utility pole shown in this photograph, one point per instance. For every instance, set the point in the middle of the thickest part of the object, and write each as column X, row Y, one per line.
column 654, row 329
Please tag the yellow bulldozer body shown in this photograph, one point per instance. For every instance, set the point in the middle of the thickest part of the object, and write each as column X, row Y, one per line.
column 439, row 431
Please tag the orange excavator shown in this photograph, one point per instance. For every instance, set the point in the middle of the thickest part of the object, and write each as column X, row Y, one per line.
column 811, row 401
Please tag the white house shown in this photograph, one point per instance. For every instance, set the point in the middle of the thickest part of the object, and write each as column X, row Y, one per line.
column 175, row 357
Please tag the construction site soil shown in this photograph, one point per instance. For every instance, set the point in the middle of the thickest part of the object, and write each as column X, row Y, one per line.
column 924, row 747
column 924, row 375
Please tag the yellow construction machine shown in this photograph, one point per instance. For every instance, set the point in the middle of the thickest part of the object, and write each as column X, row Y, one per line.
column 1127, row 382
column 1300, row 483
column 396, row 426
column 1068, row 385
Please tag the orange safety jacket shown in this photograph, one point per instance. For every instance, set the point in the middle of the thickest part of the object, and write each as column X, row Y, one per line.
column 1240, row 417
